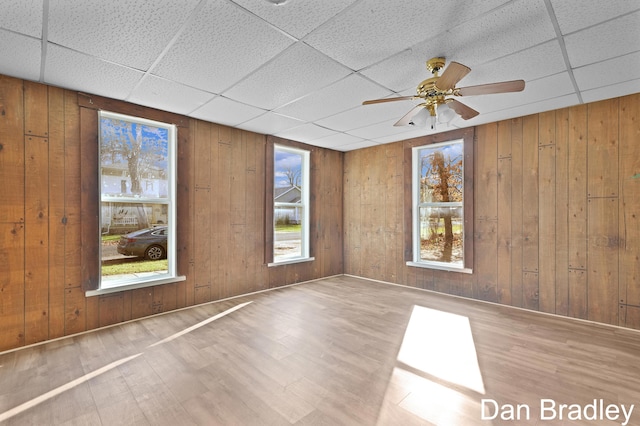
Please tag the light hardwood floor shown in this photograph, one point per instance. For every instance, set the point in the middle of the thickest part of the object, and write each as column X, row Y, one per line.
column 337, row 351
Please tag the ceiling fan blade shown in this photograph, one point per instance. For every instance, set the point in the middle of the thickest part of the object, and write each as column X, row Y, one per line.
column 487, row 89
column 451, row 75
column 379, row 101
column 464, row 111
column 404, row 121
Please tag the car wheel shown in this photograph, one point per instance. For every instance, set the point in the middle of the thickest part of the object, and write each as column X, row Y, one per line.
column 154, row 253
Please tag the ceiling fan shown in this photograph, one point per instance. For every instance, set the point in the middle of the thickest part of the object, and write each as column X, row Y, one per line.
column 434, row 92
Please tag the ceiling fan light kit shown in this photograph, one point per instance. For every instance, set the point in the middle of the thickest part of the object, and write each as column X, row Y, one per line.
column 437, row 105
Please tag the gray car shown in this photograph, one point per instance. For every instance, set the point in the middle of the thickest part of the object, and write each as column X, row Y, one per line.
column 150, row 243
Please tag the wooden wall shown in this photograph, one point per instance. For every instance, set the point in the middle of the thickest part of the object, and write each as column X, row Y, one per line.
column 557, row 214
column 221, row 219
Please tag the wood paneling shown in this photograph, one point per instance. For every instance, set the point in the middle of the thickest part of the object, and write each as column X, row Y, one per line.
column 36, row 108
column 57, row 243
column 72, row 190
column 577, row 184
column 516, row 213
column 629, row 220
column 602, row 271
column 12, row 312
column 37, row 239
column 486, row 162
column 11, row 150
column 89, row 207
column 602, row 147
column 547, row 226
column 557, row 214
column 561, row 212
column 486, row 212
column 577, row 293
column 530, row 194
column 505, row 202
column 48, row 215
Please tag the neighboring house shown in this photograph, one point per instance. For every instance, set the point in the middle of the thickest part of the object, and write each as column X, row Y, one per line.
column 119, row 215
column 117, row 182
column 285, row 213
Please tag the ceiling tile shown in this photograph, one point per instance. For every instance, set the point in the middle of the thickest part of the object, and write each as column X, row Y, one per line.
column 22, row 16
column 340, row 96
column 225, row 111
column 606, row 73
column 133, row 36
column 608, row 40
column 73, row 70
column 612, row 91
column 270, row 123
column 547, row 104
column 298, row 17
column 402, row 71
column 297, row 72
column 164, row 94
column 373, row 30
column 380, row 130
column 574, row 15
column 415, row 132
column 336, row 140
column 224, row 44
column 20, row 55
column 366, row 115
column 357, row 145
column 517, row 26
column 507, row 30
column 305, row 133
column 530, row 64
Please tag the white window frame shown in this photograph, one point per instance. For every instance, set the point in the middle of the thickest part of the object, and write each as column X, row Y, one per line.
column 304, row 203
column 171, row 276
column 416, row 205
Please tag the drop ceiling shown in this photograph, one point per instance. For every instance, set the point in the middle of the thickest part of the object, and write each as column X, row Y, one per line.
column 300, row 70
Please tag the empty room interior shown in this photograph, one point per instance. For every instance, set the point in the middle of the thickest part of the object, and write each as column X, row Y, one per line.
column 336, row 212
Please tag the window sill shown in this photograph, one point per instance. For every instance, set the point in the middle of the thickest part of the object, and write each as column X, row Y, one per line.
column 134, row 285
column 291, row 261
column 440, row 267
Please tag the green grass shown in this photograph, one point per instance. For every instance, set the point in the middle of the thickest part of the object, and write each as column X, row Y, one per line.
column 288, row 228
column 135, row 267
column 107, row 238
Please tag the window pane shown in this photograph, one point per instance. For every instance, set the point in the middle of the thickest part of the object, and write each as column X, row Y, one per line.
column 441, row 234
column 288, row 232
column 134, row 159
column 441, row 178
column 134, row 240
column 287, row 177
column 290, row 204
column 137, row 172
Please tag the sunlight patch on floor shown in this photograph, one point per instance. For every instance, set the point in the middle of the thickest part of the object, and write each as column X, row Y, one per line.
column 437, row 377
column 440, row 344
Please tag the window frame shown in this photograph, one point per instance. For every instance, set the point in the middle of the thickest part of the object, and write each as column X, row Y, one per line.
column 270, row 143
column 169, row 201
column 89, row 254
column 412, row 254
column 304, row 203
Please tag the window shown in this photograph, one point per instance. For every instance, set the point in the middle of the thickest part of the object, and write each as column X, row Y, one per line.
column 137, row 217
column 290, row 204
column 438, row 213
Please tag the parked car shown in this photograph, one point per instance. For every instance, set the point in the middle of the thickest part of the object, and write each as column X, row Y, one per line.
column 150, row 243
